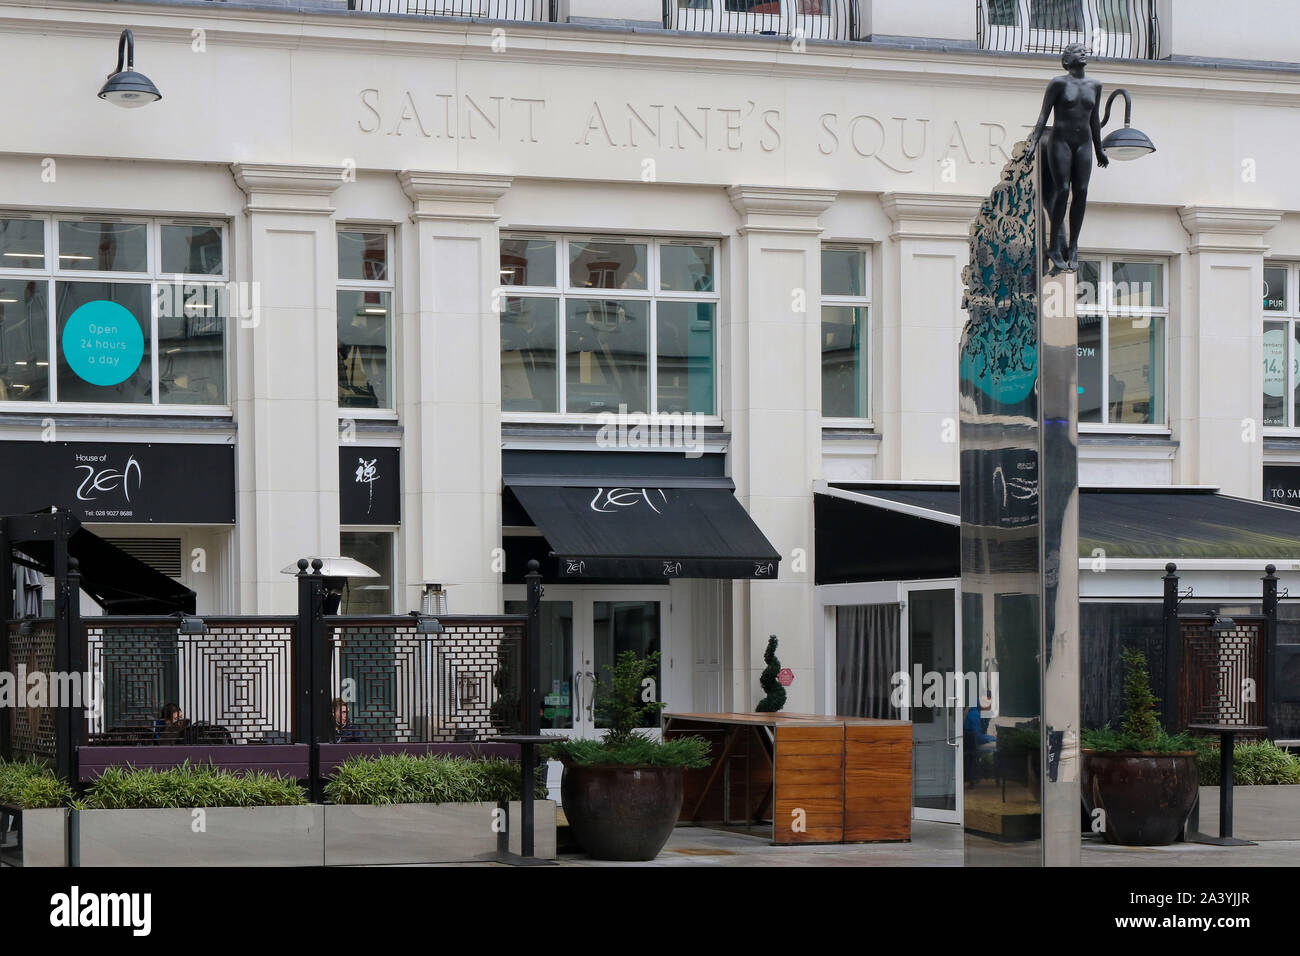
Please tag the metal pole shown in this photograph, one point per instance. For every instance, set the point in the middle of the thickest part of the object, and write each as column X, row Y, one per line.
column 311, row 709
column 62, row 646
column 76, row 665
column 1173, row 648
column 1266, row 684
column 532, row 718
column 1226, row 744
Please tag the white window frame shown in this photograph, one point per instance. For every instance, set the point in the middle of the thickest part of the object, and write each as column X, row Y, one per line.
column 1104, row 308
column 562, row 291
column 855, row 301
column 389, row 285
column 152, row 277
column 393, row 531
column 1290, row 319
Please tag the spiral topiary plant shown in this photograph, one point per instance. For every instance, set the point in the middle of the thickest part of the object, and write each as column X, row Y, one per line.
column 775, row 698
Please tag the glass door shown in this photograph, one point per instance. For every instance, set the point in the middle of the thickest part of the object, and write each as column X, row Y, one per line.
column 935, row 700
column 583, row 632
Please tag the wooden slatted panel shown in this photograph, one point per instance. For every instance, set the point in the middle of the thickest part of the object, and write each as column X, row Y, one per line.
column 878, row 783
column 809, row 777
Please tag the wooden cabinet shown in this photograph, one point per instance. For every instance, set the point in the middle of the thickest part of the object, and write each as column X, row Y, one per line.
column 805, row 778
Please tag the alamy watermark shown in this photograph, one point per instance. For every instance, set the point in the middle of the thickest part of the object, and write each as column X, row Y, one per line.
column 682, row 431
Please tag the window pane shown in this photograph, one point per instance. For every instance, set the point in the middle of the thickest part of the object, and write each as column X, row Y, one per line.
column 374, row 549
column 103, row 246
column 1089, row 277
column 22, row 244
column 607, row 265
column 1090, row 355
column 1138, row 285
column 619, row 626
column 1004, row 13
column 1274, row 373
column 686, row 268
column 363, row 350
column 844, row 272
column 530, row 379
column 1274, row 289
column 24, row 345
column 363, row 255
column 1137, row 368
column 844, row 362
column 1295, row 375
column 685, row 359
column 607, row 342
column 192, row 345
column 1056, row 15
column 528, row 262
column 192, row 250
column 107, row 351
column 556, row 660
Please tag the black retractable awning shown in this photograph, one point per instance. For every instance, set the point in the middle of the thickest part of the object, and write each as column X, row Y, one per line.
column 1162, row 523
column 118, row 582
column 643, row 528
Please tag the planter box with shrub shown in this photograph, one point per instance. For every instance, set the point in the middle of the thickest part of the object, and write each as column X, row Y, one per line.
column 426, row 809
column 33, row 819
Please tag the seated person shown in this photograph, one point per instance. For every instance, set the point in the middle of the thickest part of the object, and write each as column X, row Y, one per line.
column 345, row 732
column 173, row 725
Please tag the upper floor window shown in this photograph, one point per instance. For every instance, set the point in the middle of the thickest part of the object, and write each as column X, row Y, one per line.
column 112, row 310
column 1123, row 312
column 846, row 302
column 1281, row 354
column 364, row 313
column 589, row 325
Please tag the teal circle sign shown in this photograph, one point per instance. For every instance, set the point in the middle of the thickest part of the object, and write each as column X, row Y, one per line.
column 103, row 343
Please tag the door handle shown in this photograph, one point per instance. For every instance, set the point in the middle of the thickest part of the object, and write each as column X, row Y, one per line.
column 577, row 692
column 952, row 724
column 591, row 697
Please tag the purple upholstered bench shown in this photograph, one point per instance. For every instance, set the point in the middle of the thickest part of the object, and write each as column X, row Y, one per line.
column 286, row 760
column 333, row 756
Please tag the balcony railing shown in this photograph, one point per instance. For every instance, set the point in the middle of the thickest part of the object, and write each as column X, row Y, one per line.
column 809, row 19
column 1109, row 28
column 534, row 10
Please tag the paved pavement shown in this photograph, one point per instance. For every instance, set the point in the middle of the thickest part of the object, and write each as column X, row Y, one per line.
column 1270, row 815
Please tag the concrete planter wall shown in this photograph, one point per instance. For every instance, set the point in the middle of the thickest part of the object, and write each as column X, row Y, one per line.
column 221, row 836
column 44, row 839
column 428, row 832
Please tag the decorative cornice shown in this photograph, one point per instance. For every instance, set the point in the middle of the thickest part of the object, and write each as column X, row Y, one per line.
column 460, row 196
column 288, row 189
column 780, row 209
column 930, row 215
column 1228, row 228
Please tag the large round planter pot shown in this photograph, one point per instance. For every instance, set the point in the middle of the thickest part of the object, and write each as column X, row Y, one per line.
column 1146, row 797
column 621, row 813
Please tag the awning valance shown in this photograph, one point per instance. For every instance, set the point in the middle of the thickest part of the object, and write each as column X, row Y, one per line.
column 646, row 529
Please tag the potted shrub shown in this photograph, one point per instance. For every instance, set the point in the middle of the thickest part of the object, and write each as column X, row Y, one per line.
column 1142, row 779
column 622, row 794
column 34, row 798
column 405, row 809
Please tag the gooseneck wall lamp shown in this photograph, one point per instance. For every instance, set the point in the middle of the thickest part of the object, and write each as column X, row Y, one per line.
column 1125, row 143
column 125, row 87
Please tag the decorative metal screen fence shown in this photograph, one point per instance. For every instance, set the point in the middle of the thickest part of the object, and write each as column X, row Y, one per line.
column 1106, row 28
column 403, row 686
column 810, row 19
column 233, row 684
column 1223, row 674
column 535, row 10
column 31, row 723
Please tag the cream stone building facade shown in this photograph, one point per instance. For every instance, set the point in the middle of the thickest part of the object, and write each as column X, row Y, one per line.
column 380, row 195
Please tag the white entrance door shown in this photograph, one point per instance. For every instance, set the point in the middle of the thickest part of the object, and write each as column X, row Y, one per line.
column 584, row 629
column 932, row 637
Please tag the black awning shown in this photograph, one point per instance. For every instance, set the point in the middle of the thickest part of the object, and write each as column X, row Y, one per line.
column 118, row 582
column 1163, row 523
column 647, row 531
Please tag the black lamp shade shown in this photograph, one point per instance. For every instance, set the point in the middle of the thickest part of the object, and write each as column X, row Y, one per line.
column 1127, row 143
column 129, row 89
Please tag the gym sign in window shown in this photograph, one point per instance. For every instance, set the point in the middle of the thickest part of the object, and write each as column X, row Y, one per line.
column 112, row 311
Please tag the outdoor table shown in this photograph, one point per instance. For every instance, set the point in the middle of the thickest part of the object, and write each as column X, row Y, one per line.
column 1226, row 734
column 526, row 744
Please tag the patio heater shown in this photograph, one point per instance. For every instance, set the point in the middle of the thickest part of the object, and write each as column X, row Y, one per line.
column 336, row 572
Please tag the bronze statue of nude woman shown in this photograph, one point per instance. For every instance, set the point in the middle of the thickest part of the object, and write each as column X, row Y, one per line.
column 1067, row 153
